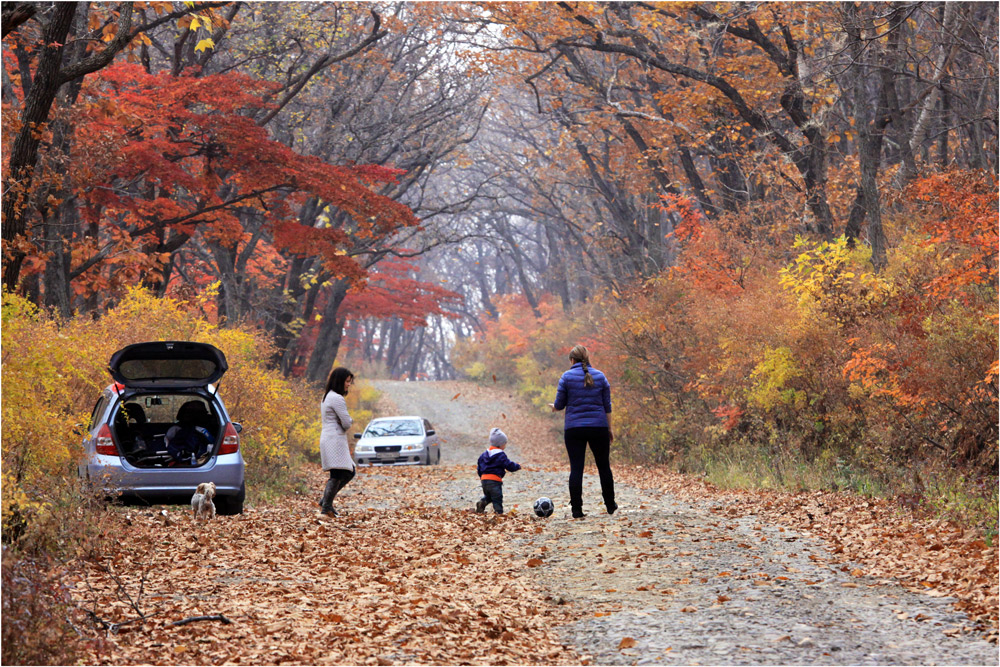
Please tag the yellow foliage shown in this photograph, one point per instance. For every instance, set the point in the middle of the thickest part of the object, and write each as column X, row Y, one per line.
column 42, row 371
column 831, row 278
column 476, row 371
column 773, row 376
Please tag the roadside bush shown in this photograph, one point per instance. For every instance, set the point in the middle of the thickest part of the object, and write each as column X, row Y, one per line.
column 36, row 608
column 61, row 525
column 362, row 402
column 525, row 352
column 821, row 373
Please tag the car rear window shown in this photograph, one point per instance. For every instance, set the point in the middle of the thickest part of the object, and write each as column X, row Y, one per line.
column 390, row 427
column 181, row 369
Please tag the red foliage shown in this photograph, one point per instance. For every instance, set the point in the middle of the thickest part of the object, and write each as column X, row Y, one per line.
column 158, row 153
column 392, row 291
column 710, row 256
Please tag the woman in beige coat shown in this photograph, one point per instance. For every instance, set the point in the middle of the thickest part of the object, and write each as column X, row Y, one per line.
column 334, row 451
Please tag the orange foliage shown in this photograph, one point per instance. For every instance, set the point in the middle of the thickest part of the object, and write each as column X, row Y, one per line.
column 526, row 352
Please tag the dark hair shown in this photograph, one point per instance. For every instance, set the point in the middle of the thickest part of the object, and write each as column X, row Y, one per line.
column 579, row 353
column 338, row 381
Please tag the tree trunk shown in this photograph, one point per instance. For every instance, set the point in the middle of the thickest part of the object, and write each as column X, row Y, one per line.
column 331, row 331
column 415, row 360
column 24, row 152
column 557, row 269
column 871, row 130
column 484, row 288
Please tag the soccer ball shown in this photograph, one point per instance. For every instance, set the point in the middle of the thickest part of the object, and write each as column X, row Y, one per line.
column 544, row 507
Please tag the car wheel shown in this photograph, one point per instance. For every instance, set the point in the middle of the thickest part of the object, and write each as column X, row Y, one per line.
column 231, row 505
column 437, row 456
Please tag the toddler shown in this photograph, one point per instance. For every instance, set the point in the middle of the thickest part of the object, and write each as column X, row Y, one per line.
column 493, row 464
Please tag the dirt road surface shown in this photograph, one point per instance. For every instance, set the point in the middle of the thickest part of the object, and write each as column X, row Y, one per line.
column 411, row 575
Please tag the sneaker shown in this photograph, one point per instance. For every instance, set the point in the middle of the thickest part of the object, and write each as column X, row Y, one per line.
column 612, row 506
column 480, row 506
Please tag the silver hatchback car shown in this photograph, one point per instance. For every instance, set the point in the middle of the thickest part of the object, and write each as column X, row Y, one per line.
column 406, row 440
column 161, row 429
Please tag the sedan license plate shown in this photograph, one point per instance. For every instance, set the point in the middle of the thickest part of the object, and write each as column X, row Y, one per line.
column 386, row 456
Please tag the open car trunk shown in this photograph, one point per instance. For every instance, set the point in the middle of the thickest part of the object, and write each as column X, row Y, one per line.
column 142, row 421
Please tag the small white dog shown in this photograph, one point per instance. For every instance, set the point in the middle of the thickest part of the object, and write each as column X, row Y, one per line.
column 201, row 501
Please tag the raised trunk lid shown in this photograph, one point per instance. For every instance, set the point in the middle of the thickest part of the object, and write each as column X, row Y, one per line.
column 167, row 365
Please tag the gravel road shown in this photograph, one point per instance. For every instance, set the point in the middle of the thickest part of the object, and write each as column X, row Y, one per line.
column 666, row 581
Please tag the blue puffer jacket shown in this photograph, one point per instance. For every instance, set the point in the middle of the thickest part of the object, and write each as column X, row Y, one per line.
column 585, row 406
column 494, row 462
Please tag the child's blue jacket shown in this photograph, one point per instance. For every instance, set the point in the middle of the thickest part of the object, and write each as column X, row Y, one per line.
column 494, row 462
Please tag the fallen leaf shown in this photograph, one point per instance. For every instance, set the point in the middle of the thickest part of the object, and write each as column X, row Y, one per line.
column 626, row 642
column 456, row 396
column 723, row 598
column 689, row 610
column 534, row 562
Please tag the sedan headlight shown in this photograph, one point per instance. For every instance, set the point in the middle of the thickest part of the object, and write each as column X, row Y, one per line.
column 364, row 449
column 412, row 448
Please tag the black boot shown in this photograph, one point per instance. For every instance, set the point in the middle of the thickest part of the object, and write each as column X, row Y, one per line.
column 329, row 493
column 576, row 501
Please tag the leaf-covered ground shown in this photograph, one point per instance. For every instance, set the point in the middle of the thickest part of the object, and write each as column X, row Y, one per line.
column 412, row 585
column 411, row 575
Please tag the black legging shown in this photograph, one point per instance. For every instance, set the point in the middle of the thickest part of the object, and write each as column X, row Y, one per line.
column 600, row 445
column 338, row 480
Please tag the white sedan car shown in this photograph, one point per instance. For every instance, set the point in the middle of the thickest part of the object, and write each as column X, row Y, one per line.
column 406, row 440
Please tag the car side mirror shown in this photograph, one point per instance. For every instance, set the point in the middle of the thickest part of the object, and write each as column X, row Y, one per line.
column 430, row 432
column 357, row 436
column 238, row 426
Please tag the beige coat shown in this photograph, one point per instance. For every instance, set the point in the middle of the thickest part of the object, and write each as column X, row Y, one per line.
column 334, row 450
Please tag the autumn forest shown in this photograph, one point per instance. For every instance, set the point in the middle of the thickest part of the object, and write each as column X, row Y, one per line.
column 774, row 225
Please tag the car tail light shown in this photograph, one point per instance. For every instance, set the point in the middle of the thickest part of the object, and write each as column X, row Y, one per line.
column 105, row 445
column 230, row 440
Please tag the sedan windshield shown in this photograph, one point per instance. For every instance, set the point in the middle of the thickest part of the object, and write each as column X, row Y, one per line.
column 391, row 427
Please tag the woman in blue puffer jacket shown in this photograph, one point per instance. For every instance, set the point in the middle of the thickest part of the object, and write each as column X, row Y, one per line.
column 586, row 395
